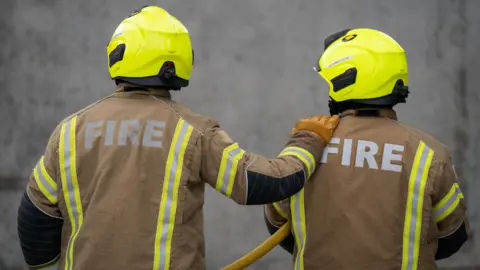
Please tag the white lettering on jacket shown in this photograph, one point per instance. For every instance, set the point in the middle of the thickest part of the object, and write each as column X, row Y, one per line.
column 368, row 154
column 133, row 132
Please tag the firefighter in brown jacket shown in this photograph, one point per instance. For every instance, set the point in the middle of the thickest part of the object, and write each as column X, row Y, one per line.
column 387, row 195
column 121, row 183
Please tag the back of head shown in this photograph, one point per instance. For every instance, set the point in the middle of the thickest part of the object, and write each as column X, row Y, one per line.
column 151, row 48
column 364, row 68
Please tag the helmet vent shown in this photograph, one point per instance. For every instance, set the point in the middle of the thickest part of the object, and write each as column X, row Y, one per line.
column 345, row 79
column 333, row 37
column 135, row 12
column 117, row 54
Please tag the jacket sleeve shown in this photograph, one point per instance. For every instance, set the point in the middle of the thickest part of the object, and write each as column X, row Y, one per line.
column 252, row 179
column 39, row 221
column 449, row 211
column 276, row 215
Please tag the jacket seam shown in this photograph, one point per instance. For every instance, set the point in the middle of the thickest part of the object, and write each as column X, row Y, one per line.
column 41, row 210
column 265, row 213
column 454, row 231
column 178, row 114
column 47, row 263
column 246, row 177
column 284, row 174
column 86, row 108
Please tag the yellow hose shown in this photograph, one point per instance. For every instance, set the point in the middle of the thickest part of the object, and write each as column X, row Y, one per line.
column 261, row 249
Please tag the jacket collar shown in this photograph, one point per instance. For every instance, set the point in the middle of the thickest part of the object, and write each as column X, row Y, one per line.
column 126, row 90
column 388, row 113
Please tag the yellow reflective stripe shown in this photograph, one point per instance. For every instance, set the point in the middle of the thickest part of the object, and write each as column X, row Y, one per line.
column 448, row 204
column 228, row 168
column 45, row 183
column 71, row 190
column 46, row 175
column 296, row 228
column 302, row 154
column 413, row 216
column 280, row 211
column 233, row 171
column 63, row 177
column 299, row 226
column 169, row 199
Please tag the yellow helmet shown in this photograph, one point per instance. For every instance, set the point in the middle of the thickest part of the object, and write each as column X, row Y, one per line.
column 151, row 48
column 365, row 66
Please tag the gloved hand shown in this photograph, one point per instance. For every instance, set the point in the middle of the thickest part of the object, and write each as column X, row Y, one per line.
column 322, row 126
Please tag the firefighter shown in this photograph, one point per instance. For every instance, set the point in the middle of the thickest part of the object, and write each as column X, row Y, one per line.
column 121, row 183
column 386, row 195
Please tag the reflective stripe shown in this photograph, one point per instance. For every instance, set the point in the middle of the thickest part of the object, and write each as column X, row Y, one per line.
column 414, row 208
column 448, row 204
column 45, row 183
column 280, row 211
column 71, row 190
column 169, row 199
column 299, row 226
column 228, row 168
column 302, row 154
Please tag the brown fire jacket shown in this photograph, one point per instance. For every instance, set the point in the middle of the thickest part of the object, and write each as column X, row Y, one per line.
column 383, row 198
column 126, row 175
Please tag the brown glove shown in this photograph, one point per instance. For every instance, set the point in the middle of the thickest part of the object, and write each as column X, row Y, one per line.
column 322, row 126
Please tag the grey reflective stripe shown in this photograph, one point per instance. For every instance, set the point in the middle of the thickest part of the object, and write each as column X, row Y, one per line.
column 45, row 183
column 418, row 175
column 451, row 201
column 298, row 231
column 312, row 162
column 228, row 169
column 302, row 154
column 69, row 187
column 68, row 172
column 170, row 193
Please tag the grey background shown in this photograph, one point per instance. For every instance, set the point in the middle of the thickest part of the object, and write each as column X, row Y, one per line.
column 253, row 73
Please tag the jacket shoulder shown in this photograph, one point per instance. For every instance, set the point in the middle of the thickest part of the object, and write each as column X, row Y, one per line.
column 202, row 123
column 439, row 148
column 84, row 109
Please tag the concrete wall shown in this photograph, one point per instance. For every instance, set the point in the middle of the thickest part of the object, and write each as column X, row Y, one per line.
column 253, row 73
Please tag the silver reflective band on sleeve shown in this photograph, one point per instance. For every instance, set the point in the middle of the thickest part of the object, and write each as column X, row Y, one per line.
column 414, row 207
column 448, row 204
column 71, row 190
column 228, row 169
column 169, row 199
column 306, row 157
column 45, row 183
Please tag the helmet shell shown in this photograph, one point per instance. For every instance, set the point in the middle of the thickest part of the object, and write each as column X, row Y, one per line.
column 151, row 48
column 363, row 65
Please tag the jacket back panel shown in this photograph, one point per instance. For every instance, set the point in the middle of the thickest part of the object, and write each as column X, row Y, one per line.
column 131, row 184
column 356, row 202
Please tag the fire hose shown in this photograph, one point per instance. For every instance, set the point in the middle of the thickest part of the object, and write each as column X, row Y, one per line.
column 261, row 250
